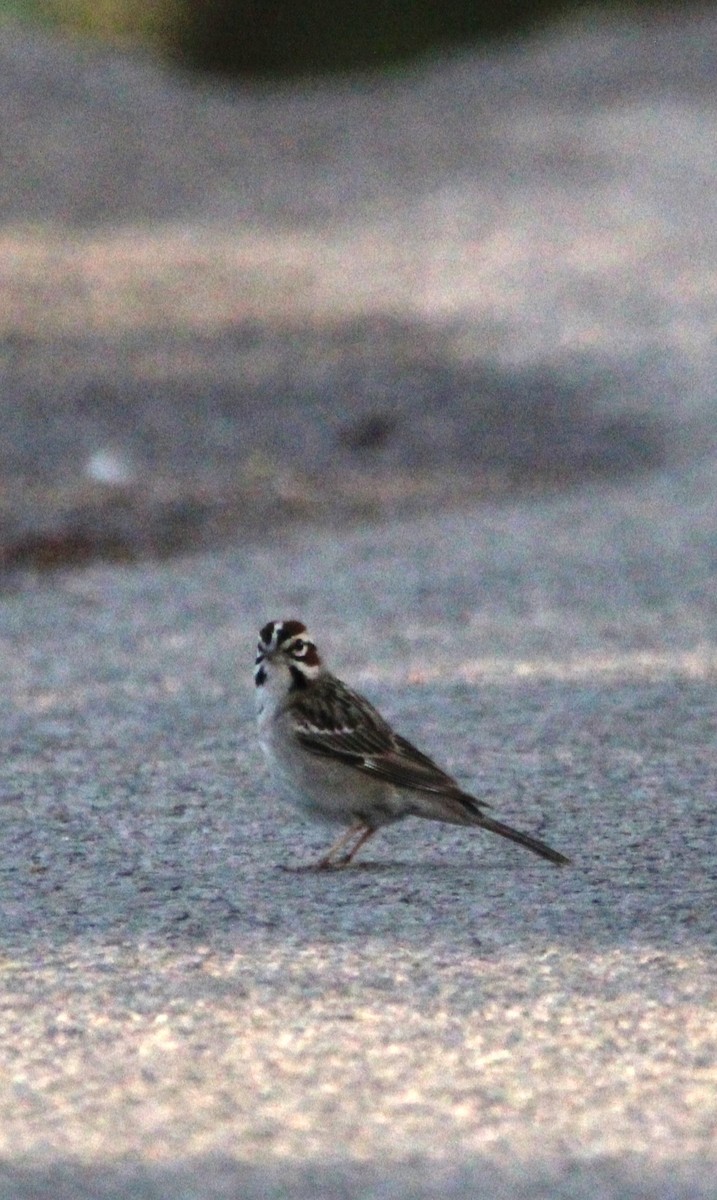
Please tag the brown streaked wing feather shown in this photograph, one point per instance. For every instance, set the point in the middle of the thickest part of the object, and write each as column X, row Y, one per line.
column 418, row 773
column 407, row 750
column 345, row 726
column 376, row 752
column 408, row 772
column 331, row 711
column 347, row 743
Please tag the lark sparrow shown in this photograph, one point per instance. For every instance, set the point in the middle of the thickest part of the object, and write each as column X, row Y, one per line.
column 334, row 756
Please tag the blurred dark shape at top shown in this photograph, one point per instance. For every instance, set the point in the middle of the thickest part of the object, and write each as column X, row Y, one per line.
column 313, row 37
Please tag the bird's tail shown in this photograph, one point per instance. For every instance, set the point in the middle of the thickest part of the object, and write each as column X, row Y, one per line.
column 524, row 839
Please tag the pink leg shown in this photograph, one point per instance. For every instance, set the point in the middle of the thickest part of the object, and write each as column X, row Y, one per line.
column 332, row 859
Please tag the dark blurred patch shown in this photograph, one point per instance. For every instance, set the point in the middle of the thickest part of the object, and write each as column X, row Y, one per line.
column 625, row 445
column 561, row 437
column 368, row 433
column 72, row 548
column 313, row 37
column 117, row 525
column 353, row 421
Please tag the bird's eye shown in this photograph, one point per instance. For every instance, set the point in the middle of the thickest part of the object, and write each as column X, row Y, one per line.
column 298, row 648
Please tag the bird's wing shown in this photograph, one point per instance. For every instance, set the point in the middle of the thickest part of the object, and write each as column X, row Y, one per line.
column 353, row 732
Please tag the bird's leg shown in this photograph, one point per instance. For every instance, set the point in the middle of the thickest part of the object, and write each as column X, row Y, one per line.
column 366, row 833
column 332, row 859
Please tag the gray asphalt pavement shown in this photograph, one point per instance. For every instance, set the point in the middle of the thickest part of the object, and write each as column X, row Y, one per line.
column 203, row 286
column 183, row 1018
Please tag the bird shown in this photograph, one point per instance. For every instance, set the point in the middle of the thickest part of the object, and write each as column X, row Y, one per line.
column 333, row 756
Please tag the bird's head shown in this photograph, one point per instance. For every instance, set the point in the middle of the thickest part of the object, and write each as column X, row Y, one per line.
column 286, row 656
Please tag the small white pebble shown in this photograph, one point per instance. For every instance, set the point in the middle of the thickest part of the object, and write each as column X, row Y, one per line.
column 107, row 466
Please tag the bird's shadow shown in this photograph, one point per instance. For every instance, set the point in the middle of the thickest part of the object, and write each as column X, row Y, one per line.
column 382, row 867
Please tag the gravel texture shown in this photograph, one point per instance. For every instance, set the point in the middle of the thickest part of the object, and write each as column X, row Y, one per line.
column 183, row 1018
column 180, row 1018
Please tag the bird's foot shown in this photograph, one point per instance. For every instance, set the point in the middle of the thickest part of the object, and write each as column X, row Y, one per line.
column 324, row 864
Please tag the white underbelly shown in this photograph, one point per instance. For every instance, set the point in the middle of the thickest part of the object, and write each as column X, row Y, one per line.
column 326, row 791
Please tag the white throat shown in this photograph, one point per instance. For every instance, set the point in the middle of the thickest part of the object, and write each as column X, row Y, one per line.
column 272, row 693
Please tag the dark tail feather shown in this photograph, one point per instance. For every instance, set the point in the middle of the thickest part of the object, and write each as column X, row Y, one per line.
column 524, row 839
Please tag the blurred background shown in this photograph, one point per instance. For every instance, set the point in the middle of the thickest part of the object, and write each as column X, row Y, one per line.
column 270, row 263
column 287, row 37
